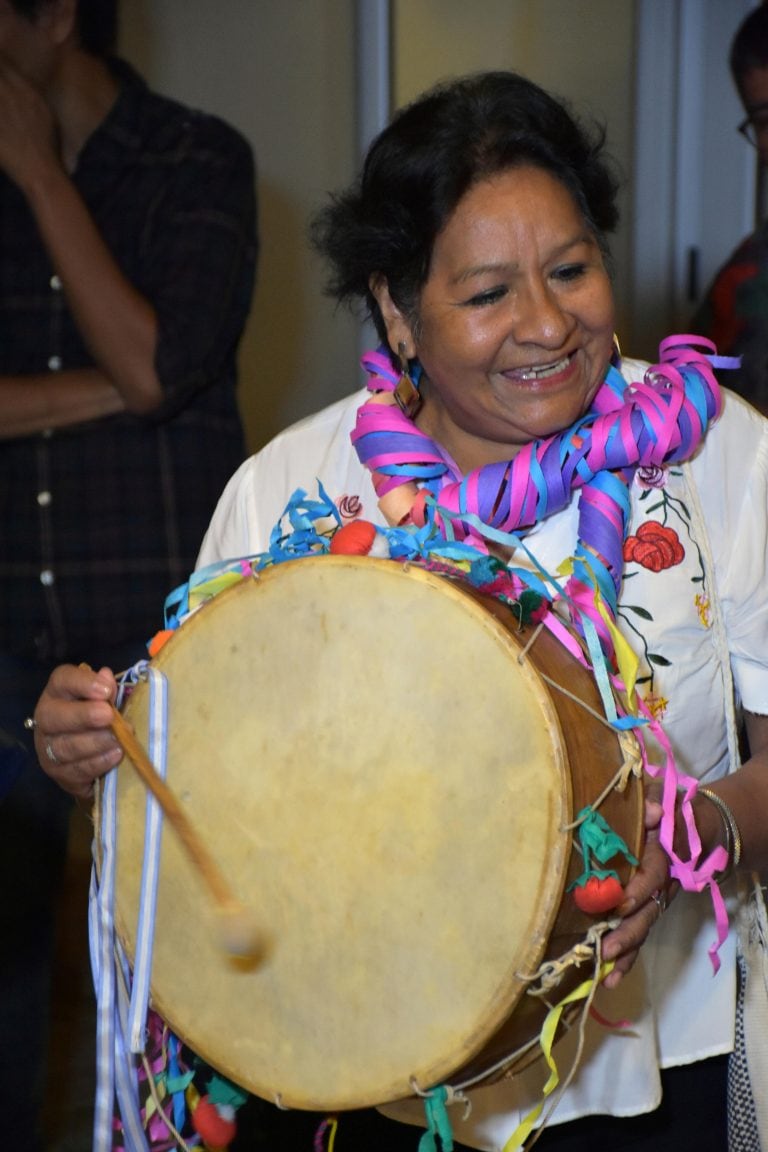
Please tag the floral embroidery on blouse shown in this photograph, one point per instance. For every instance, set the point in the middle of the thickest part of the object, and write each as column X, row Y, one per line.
column 702, row 607
column 657, row 705
column 651, row 476
column 655, row 546
column 660, row 543
column 349, row 507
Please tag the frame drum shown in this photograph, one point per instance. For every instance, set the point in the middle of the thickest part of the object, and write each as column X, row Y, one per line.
column 384, row 778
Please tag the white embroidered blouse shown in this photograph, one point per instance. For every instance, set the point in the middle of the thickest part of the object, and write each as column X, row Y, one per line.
column 694, row 606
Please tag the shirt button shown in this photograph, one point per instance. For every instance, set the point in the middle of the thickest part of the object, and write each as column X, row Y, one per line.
column 44, row 499
column 55, row 283
column 54, row 363
column 47, row 577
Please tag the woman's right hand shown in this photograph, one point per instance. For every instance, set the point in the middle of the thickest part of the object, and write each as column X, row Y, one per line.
column 73, row 738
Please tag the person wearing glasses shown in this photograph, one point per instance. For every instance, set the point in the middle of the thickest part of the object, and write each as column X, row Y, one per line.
column 734, row 312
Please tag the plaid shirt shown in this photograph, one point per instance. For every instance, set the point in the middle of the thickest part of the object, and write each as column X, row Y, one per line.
column 102, row 520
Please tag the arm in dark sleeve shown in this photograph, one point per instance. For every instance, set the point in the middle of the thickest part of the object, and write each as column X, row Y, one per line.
column 200, row 270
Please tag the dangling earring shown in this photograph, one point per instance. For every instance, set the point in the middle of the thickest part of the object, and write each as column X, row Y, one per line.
column 616, row 354
column 406, row 393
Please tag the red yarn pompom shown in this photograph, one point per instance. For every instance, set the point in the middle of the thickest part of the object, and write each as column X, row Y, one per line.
column 354, row 539
column 599, row 894
column 211, row 1126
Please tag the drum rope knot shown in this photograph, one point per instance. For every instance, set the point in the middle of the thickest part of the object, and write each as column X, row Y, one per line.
column 550, row 973
column 452, row 1095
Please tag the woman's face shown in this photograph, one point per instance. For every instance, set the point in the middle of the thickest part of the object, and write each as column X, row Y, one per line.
column 515, row 321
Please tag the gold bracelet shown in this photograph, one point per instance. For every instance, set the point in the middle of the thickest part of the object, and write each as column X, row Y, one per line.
column 733, row 843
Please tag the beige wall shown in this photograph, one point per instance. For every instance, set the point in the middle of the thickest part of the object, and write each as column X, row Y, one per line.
column 282, row 71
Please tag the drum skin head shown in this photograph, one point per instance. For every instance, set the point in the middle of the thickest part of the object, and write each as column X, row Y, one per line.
column 383, row 781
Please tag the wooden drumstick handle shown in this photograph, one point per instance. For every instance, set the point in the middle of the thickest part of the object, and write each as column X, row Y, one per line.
column 237, row 930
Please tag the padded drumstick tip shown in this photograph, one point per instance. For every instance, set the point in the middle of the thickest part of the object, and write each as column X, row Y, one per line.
column 238, row 933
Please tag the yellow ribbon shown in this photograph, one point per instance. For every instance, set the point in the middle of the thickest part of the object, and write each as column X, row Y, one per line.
column 626, row 660
column 546, row 1041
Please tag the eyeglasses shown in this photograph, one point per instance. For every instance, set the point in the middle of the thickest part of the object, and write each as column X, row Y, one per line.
column 755, row 125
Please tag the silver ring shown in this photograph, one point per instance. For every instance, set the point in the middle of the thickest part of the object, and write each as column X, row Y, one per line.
column 30, row 723
column 50, row 753
column 660, row 900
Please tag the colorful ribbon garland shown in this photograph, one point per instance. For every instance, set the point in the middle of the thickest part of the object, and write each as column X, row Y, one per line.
column 661, row 420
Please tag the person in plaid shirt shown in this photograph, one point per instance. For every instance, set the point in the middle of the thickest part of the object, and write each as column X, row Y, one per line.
column 127, row 260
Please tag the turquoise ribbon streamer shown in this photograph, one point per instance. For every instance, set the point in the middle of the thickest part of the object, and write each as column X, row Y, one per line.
column 438, row 1123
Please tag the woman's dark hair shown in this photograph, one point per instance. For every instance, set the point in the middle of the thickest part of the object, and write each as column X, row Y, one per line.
column 420, row 166
column 749, row 47
column 96, row 22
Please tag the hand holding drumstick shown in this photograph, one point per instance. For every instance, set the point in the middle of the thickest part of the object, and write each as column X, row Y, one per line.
column 79, row 736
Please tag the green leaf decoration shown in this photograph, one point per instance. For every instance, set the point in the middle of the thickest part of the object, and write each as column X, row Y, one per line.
column 599, row 841
column 178, row 1083
column 642, row 612
column 223, row 1091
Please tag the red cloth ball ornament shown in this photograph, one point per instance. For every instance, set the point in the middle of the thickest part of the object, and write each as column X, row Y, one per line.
column 599, row 894
column 354, row 539
column 211, row 1126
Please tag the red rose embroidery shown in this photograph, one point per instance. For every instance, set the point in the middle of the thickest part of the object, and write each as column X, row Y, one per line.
column 655, row 547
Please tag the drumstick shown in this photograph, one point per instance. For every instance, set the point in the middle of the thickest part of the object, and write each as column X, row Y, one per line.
column 238, row 932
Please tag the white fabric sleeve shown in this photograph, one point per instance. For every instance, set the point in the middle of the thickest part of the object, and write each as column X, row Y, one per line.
column 234, row 529
column 737, row 519
column 315, row 449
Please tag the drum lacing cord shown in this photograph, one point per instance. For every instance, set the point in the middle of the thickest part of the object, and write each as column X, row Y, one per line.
column 438, row 1123
column 587, row 992
column 632, row 763
column 531, row 641
column 499, row 1066
column 588, row 950
column 452, row 1094
column 549, row 974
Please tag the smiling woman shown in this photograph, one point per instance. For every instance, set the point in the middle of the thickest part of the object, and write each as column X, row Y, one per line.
column 515, row 321
column 501, row 426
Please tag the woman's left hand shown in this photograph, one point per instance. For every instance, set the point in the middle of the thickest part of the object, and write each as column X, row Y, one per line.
column 646, row 897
